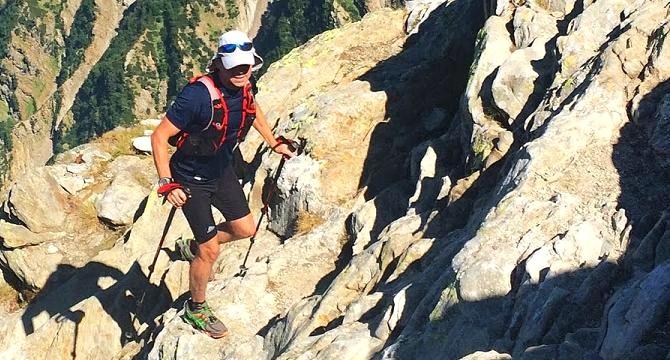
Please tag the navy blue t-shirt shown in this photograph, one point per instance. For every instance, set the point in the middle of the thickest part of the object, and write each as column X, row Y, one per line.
column 191, row 111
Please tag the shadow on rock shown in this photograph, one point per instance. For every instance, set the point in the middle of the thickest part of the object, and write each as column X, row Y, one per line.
column 68, row 291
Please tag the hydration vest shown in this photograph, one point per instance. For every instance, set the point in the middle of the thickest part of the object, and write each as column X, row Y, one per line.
column 208, row 141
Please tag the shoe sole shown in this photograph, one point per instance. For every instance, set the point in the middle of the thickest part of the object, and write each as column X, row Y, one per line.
column 215, row 336
column 210, row 334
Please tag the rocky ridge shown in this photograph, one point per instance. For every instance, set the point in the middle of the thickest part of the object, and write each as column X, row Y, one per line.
column 493, row 186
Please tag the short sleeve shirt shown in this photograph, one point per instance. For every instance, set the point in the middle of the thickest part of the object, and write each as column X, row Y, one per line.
column 191, row 112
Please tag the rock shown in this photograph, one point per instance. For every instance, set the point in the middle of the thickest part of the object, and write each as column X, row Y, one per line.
column 77, row 168
column 635, row 311
column 588, row 33
column 660, row 134
column 581, row 245
column 297, row 190
column 489, row 355
column 15, row 236
column 38, row 201
column 542, row 352
column 142, row 143
column 350, row 341
column 98, row 297
column 644, row 255
column 558, row 8
column 32, row 265
column 392, row 316
column 150, row 122
column 428, row 180
column 361, row 306
column 84, row 154
column 531, row 25
column 121, row 201
column 370, row 218
column 435, row 119
column 521, row 81
column 417, row 12
column 541, row 314
column 181, row 341
column 70, row 182
column 650, row 351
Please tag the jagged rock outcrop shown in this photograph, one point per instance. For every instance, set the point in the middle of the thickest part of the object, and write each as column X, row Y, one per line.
column 493, row 186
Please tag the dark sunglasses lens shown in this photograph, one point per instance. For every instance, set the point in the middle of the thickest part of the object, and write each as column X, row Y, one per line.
column 246, row 46
column 227, row 48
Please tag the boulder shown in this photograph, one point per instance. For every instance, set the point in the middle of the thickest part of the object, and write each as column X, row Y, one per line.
column 142, row 143
column 121, row 201
column 38, row 201
column 521, row 81
column 32, row 265
column 16, row 236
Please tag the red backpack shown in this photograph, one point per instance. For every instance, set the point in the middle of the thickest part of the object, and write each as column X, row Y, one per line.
column 208, row 141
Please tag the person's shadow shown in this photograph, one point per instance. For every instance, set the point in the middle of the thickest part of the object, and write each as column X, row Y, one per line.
column 117, row 293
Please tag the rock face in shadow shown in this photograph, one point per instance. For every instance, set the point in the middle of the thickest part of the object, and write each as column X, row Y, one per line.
column 493, row 186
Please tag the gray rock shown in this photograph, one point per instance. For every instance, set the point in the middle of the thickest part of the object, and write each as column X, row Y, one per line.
column 77, row 168
column 649, row 351
column 521, row 81
column 539, row 317
column 540, row 352
column 530, row 25
column 635, row 311
column 660, row 136
column 297, row 190
column 558, row 8
column 119, row 203
column 644, row 255
column 38, row 201
column 32, row 265
column 435, row 119
column 488, row 355
column 15, row 236
column 142, row 143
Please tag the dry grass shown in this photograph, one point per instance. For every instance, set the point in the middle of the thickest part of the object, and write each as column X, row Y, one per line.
column 88, row 215
column 120, row 140
column 9, row 299
column 307, row 222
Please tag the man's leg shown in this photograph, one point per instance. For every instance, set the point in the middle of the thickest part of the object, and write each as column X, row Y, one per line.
column 198, row 212
column 201, row 268
column 208, row 252
column 241, row 228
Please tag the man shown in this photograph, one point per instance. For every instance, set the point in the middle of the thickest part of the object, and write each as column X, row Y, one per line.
column 206, row 120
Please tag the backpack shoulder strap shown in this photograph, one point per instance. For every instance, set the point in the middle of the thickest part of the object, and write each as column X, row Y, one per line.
column 215, row 95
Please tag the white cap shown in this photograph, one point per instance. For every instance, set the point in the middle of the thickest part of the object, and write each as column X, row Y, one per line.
column 239, row 56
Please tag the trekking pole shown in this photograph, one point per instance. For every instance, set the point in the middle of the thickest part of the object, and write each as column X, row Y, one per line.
column 293, row 146
column 168, row 222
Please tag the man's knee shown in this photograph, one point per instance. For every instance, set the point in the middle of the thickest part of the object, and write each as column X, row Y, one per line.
column 241, row 228
column 246, row 230
column 208, row 251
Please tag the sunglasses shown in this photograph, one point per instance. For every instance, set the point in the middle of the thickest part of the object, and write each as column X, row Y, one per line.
column 228, row 48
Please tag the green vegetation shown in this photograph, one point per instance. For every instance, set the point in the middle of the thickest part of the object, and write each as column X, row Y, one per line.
column 81, row 35
column 350, row 7
column 30, row 106
column 290, row 23
column 6, row 127
column 8, row 21
column 106, row 98
column 231, row 8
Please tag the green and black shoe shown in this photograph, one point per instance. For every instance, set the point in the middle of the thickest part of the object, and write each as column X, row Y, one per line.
column 204, row 320
column 187, row 248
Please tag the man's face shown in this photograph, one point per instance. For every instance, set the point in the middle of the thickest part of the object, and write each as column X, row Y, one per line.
column 237, row 76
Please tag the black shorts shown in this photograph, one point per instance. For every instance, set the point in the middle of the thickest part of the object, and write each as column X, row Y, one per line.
column 224, row 193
